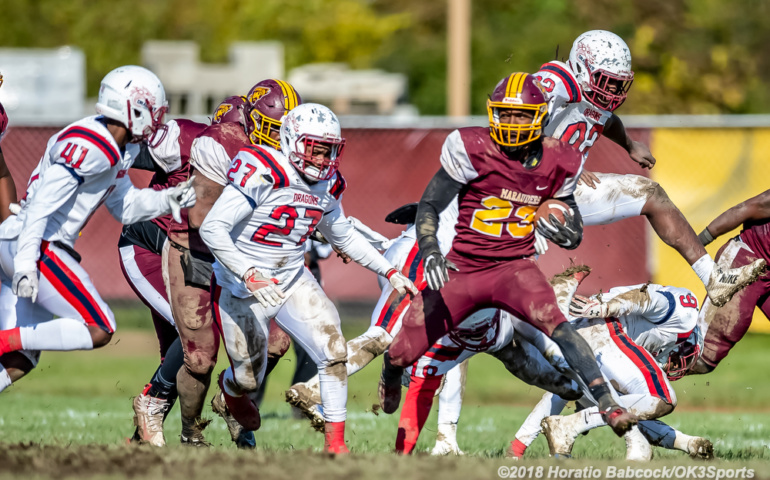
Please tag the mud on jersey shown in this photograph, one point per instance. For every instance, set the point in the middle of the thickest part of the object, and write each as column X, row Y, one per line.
column 497, row 205
column 572, row 119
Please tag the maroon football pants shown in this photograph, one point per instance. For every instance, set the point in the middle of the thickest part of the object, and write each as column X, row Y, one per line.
column 731, row 321
column 517, row 286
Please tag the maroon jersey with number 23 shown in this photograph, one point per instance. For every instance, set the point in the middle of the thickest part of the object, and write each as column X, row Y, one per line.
column 498, row 203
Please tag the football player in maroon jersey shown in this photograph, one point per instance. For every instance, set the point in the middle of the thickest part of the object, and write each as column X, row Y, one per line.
column 501, row 174
column 728, row 324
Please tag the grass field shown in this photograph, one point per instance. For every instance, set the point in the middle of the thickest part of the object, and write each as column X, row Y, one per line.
column 71, row 417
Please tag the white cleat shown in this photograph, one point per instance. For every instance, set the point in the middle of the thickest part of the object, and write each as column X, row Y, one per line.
column 724, row 283
column 560, row 435
column 446, row 441
column 638, row 449
column 301, row 397
column 701, row 448
column 149, row 413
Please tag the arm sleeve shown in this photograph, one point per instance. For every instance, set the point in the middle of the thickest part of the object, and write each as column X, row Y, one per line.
column 129, row 204
column 341, row 233
column 54, row 188
column 439, row 193
column 231, row 208
column 144, row 160
column 656, row 306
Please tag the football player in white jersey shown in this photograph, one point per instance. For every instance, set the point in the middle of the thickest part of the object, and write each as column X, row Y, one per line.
column 257, row 230
column 583, row 94
column 633, row 332
column 84, row 165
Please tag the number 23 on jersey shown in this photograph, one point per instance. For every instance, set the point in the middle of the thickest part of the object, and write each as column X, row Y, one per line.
column 498, row 215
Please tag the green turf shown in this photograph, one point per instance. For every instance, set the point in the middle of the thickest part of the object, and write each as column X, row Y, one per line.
column 84, row 398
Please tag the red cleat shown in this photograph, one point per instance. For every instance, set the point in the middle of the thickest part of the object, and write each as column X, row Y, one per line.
column 241, row 408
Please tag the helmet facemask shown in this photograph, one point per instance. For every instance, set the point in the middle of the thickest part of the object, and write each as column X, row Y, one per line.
column 146, row 125
column 511, row 134
column 303, row 160
column 261, row 126
column 600, row 91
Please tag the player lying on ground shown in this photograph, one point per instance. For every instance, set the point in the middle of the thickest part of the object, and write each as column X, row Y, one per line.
column 582, row 95
column 501, row 174
column 636, row 333
column 725, row 326
column 257, row 230
column 187, row 260
column 141, row 247
column 84, row 165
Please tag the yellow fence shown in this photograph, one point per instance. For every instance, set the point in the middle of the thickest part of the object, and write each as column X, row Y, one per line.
column 706, row 171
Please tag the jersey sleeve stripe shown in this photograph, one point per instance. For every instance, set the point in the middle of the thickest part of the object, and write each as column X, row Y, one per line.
column 566, row 78
column 339, row 186
column 106, row 148
column 282, row 179
column 73, row 173
column 671, row 307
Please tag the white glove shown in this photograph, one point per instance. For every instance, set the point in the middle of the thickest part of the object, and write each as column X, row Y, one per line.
column 400, row 283
column 15, row 208
column 377, row 240
column 585, row 307
column 25, row 285
column 265, row 290
column 181, row 196
column 541, row 244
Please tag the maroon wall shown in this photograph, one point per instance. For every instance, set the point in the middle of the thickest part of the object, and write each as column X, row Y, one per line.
column 384, row 168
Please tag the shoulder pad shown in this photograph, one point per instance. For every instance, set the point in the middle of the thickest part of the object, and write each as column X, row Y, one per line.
column 563, row 78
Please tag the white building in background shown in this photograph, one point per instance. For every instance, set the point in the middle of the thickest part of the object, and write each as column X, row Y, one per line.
column 196, row 88
column 43, row 86
column 352, row 92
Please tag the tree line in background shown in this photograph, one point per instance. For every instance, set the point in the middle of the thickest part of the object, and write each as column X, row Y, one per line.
column 689, row 56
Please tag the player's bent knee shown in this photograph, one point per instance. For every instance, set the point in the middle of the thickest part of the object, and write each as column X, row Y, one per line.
column 278, row 343
column 200, row 362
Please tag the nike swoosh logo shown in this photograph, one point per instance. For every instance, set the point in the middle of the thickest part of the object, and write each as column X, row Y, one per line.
column 541, row 188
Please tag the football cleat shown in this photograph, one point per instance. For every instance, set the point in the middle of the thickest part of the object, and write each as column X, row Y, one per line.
column 192, row 432
column 149, row 413
column 724, row 283
column 638, row 449
column 300, row 397
column 243, row 438
column 560, row 435
column 701, row 448
column 619, row 420
column 241, row 408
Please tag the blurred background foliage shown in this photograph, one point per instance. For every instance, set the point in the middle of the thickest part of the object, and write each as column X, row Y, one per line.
column 690, row 56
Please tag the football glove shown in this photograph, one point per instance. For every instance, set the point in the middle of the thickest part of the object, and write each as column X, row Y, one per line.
column 25, row 285
column 586, row 307
column 265, row 290
column 181, row 196
column 401, row 283
column 436, row 270
column 566, row 235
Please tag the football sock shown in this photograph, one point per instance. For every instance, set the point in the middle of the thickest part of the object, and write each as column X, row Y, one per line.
column 163, row 383
column 681, row 441
column 334, row 391
column 703, row 268
column 517, row 448
column 10, row 341
column 658, row 433
column 588, row 419
column 450, row 400
column 549, row 405
column 414, row 413
column 61, row 334
column 334, row 437
column 5, row 379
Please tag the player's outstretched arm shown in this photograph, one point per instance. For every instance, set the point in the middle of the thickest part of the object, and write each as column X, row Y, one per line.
column 639, row 152
column 755, row 208
column 129, row 204
column 7, row 189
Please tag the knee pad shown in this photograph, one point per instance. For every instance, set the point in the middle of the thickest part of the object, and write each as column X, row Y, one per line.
column 100, row 338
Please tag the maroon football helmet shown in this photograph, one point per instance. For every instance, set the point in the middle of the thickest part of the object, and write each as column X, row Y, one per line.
column 232, row 109
column 519, row 91
column 270, row 100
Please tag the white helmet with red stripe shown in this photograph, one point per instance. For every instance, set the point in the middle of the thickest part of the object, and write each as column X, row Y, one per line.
column 307, row 128
column 601, row 62
column 134, row 96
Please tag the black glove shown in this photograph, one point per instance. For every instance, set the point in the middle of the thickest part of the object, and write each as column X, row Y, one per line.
column 566, row 235
column 436, row 269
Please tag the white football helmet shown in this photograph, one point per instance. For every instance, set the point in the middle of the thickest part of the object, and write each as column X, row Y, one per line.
column 601, row 61
column 306, row 126
column 684, row 355
column 134, row 96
